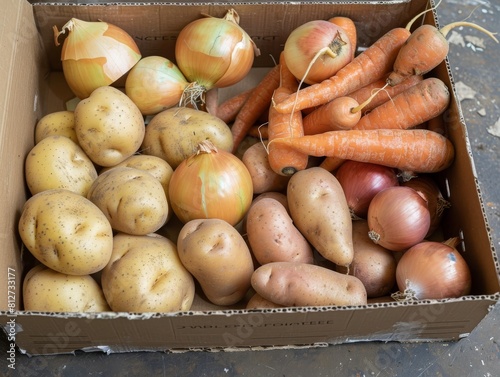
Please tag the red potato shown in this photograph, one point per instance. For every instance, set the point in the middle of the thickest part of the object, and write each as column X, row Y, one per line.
column 219, row 259
column 373, row 264
column 259, row 302
column 264, row 178
column 272, row 235
column 319, row 209
column 302, row 284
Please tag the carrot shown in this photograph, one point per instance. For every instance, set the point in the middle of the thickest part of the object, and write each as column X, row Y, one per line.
column 372, row 64
column 259, row 131
column 416, row 105
column 283, row 159
column 228, row 110
column 350, row 29
column 420, row 151
column 362, row 95
column 257, row 102
column 424, row 50
column 331, row 163
column 334, row 115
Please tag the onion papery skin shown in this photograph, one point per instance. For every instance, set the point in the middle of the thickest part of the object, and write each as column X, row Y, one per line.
column 428, row 187
column 214, row 52
column 155, row 84
column 213, row 184
column 398, row 218
column 432, row 270
column 95, row 54
column 307, row 40
column 361, row 181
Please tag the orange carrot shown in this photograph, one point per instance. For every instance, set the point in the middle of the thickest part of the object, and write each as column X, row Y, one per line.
column 371, row 65
column 424, row 50
column 416, row 105
column 259, row 131
column 334, row 115
column 331, row 163
column 228, row 110
column 381, row 96
column 436, row 124
column 350, row 29
column 257, row 102
column 421, row 151
column 282, row 159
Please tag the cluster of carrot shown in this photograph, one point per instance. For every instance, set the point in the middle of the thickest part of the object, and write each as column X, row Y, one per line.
column 372, row 110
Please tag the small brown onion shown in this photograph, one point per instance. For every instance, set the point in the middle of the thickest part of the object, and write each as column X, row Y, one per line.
column 155, row 84
column 373, row 264
column 433, row 270
column 361, row 181
column 428, row 187
column 398, row 218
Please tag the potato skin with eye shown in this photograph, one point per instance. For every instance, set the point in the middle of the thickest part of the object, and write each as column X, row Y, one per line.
column 144, row 274
column 319, row 210
column 174, row 134
column 58, row 162
column 66, row 232
column 303, row 284
column 132, row 200
column 47, row 290
column 218, row 257
column 109, row 126
column 272, row 235
column 60, row 123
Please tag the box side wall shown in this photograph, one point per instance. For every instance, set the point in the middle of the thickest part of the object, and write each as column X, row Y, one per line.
column 23, row 66
column 427, row 321
column 466, row 218
column 155, row 27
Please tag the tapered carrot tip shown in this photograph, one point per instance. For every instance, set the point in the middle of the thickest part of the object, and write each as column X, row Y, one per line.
column 423, row 51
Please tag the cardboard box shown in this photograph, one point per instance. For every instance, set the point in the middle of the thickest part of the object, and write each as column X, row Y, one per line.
column 33, row 86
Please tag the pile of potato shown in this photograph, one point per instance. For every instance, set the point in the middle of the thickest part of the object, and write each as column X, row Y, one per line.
column 100, row 223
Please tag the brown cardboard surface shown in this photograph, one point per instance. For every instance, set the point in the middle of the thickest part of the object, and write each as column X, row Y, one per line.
column 35, row 86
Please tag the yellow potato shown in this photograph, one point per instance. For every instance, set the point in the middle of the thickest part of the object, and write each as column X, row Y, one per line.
column 47, row 290
column 58, row 162
column 109, row 126
column 319, row 209
column 157, row 167
column 132, row 200
column 145, row 274
column 218, row 257
column 66, row 232
column 303, row 284
column 60, row 123
column 174, row 134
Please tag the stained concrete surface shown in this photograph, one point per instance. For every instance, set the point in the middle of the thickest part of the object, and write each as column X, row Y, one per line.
column 474, row 63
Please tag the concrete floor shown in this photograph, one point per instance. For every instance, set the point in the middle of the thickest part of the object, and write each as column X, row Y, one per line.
column 476, row 355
